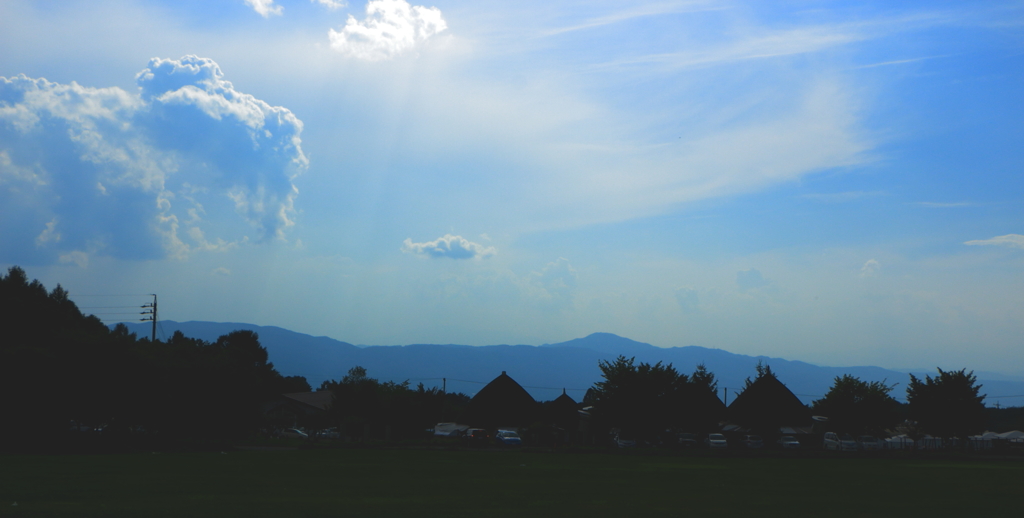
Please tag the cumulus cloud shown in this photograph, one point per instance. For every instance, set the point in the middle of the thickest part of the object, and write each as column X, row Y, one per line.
column 687, row 299
column 391, row 27
column 870, row 268
column 265, row 8
column 1010, row 240
column 137, row 175
column 453, row 247
column 750, row 279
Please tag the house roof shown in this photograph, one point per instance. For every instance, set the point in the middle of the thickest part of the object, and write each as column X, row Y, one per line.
column 502, row 402
column 320, row 399
column 767, row 402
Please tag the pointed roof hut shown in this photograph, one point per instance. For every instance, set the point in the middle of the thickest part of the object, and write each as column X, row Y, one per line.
column 563, row 412
column 768, row 405
column 501, row 403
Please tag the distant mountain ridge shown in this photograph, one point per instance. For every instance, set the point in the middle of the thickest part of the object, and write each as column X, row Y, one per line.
column 543, row 370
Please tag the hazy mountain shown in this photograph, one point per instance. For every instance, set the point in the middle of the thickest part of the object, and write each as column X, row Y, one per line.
column 543, row 370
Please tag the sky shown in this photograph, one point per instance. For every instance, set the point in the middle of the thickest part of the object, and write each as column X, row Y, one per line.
column 835, row 182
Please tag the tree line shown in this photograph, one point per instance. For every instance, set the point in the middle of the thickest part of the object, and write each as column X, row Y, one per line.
column 62, row 371
column 653, row 402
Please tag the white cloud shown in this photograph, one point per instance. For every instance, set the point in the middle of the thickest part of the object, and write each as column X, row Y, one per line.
column 453, row 247
column 870, row 268
column 688, row 300
column 557, row 279
column 221, row 271
column 139, row 172
column 750, row 279
column 331, row 4
column 49, row 234
column 265, row 8
column 1010, row 240
column 391, row 27
column 78, row 257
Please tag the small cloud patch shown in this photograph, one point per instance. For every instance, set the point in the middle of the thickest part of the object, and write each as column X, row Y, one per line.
column 265, row 8
column 330, row 4
column 452, row 247
column 688, row 300
column 870, row 268
column 750, row 279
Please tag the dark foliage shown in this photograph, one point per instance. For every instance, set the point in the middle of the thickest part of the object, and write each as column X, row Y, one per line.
column 63, row 374
column 1004, row 419
column 652, row 402
column 947, row 405
column 856, row 407
column 367, row 408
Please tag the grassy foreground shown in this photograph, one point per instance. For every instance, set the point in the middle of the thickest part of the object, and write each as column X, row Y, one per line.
column 367, row 482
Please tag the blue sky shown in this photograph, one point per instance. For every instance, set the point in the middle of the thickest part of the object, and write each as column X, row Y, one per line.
column 833, row 182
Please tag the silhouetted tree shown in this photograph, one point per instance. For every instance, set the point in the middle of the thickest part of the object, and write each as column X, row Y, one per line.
column 60, row 368
column 947, row 405
column 856, row 406
column 643, row 400
column 762, row 369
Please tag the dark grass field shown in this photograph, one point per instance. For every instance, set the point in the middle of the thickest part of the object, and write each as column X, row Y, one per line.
column 384, row 482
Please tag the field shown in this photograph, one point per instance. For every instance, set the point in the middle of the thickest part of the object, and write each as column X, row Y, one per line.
column 385, row 482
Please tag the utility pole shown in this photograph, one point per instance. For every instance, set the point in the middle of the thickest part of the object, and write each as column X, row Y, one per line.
column 150, row 309
column 726, row 396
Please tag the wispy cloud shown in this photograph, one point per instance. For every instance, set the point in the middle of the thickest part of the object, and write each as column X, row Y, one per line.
column 331, row 4
column 902, row 61
column 840, row 197
column 638, row 12
column 391, row 28
column 452, row 247
column 1010, row 240
column 944, row 205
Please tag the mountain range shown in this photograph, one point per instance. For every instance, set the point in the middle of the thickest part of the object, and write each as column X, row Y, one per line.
column 545, row 370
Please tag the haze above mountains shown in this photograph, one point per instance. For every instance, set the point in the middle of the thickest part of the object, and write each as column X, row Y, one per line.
column 546, row 369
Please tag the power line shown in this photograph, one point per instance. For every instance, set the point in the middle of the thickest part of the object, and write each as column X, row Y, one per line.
column 108, row 307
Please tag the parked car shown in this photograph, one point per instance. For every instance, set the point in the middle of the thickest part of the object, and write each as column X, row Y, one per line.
column 716, row 440
column 899, row 442
column 508, row 438
column 476, row 435
column 330, row 433
column 832, row 441
column 623, row 441
column 788, row 442
column 870, row 443
column 687, row 440
column 294, row 433
column 753, row 441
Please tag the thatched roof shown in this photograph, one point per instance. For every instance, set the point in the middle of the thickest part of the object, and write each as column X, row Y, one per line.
column 768, row 404
column 503, row 402
column 320, row 399
column 563, row 411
